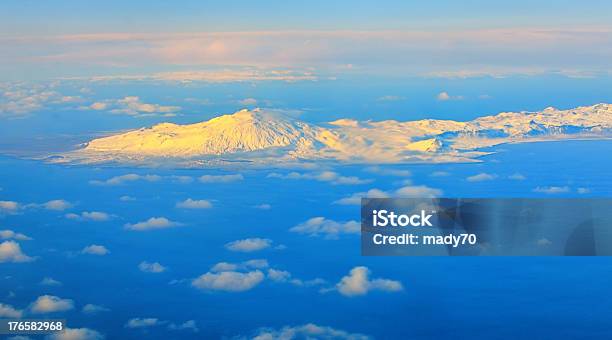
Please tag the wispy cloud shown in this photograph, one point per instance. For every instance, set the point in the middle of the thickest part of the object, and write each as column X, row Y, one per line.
column 552, row 190
column 151, row 267
column 325, row 176
column 386, row 171
column 17, row 100
column 133, row 106
column 194, row 204
column 246, row 265
column 49, row 281
column 390, row 98
column 481, row 177
column 406, row 191
column 221, row 178
column 152, row 224
column 444, row 96
column 249, row 245
column 329, row 228
column 10, row 234
column 517, row 177
column 96, row 216
column 94, row 309
column 494, row 50
column 122, row 179
column 143, row 322
column 308, row 331
column 189, row 325
column 95, row 249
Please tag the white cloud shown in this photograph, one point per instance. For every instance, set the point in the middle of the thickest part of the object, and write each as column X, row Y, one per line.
column 552, row 190
column 322, row 226
column 187, row 325
column 9, row 312
column 284, row 276
column 10, row 251
column 359, row 283
column 325, row 176
column 248, row 101
column 481, row 177
column 263, row 206
column 17, row 100
column 94, row 309
column 95, row 249
column 256, row 263
column 249, row 245
column 152, row 223
column 126, row 198
column 96, row 216
column 118, row 180
column 10, row 207
column 49, row 281
column 9, row 234
column 583, row 190
column 133, row 106
column 221, row 178
column 517, row 177
column 154, row 267
column 194, row 204
column 408, row 191
column 444, row 96
column 355, row 199
column 278, row 275
column 76, row 334
column 143, row 322
column 417, row 191
column 229, row 281
column 57, row 205
column 50, row 304
column 307, row 331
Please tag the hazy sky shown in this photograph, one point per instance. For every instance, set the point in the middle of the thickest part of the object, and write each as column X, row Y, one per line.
column 41, row 40
column 69, row 16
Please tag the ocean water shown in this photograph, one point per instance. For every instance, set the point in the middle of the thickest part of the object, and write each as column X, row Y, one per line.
column 505, row 297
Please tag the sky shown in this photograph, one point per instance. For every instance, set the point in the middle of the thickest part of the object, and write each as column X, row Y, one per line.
column 443, row 38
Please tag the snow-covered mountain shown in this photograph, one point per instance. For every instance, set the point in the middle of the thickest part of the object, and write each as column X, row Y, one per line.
column 242, row 131
column 268, row 136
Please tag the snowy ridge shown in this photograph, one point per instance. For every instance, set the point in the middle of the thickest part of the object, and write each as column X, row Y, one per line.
column 270, row 137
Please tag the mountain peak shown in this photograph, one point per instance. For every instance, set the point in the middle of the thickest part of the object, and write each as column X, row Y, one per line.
column 242, row 131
